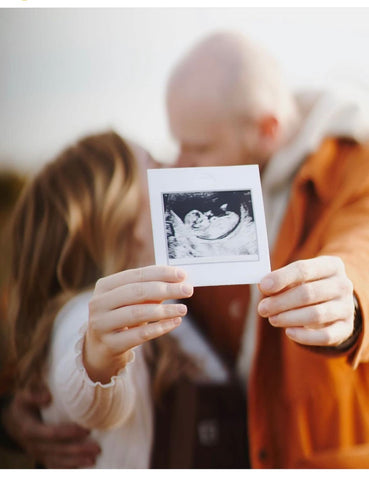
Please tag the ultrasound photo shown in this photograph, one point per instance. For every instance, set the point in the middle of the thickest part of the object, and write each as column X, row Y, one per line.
column 210, row 225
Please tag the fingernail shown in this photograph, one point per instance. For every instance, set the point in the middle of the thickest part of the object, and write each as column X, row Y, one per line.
column 274, row 321
column 291, row 333
column 186, row 289
column 177, row 320
column 181, row 309
column 267, row 283
column 180, row 274
column 263, row 308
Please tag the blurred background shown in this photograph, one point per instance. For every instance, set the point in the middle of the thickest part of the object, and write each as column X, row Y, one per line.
column 66, row 72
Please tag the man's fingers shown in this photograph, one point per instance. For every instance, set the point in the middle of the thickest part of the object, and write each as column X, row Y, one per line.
column 63, row 460
column 331, row 335
column 64, row 446
column 30, row 399
column 69, row 462
column 35, row 430
column 133, row 337
column 68, row 448
column 313, row 316
column 301, row 271
column 137, row 275
column 66, row 432
column 306, row 294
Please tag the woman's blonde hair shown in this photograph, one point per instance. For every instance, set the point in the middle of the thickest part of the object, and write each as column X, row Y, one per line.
column 72, row 225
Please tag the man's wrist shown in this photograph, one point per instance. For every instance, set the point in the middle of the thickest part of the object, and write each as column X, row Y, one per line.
column 347, row 344
column 358, row 325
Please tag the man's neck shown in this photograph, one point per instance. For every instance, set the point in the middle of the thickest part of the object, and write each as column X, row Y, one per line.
column 293, row 126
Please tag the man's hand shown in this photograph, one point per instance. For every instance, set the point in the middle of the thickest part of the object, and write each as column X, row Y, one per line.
column 53, row 446
column 312, row 299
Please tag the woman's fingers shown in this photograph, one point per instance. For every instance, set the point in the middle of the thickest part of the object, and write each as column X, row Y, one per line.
column 127, row 339
column 134, row 315
column 139, row 293
column 151, row 273
column 126, row 310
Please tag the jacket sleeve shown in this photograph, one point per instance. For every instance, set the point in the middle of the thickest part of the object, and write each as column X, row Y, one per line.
column 347, row 236
column 90, row 404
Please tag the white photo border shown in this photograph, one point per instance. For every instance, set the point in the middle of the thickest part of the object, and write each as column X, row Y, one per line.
column 242, row 269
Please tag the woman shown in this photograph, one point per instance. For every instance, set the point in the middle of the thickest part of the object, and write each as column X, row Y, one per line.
column 82, row 311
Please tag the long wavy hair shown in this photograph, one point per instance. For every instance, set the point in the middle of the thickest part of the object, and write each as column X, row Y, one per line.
column 72, row 225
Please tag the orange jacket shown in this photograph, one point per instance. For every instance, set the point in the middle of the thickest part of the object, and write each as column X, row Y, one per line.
column 308, row 407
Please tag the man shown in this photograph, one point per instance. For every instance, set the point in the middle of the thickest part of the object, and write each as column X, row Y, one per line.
column 306, row 370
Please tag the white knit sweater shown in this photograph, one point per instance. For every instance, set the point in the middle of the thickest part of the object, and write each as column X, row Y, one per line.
column 119, row 413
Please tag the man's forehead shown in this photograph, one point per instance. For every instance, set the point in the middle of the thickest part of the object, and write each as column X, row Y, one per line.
column 197, row 137
column 197, row 125
column 201, row 99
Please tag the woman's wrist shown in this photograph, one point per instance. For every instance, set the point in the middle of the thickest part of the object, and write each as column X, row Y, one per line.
column 100, row 363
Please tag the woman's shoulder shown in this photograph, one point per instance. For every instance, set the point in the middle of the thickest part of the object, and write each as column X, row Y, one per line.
column 76, row 304
column 72, row 316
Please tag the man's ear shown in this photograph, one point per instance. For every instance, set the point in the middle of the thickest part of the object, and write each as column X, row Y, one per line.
column 268, row 127
column 269, row 135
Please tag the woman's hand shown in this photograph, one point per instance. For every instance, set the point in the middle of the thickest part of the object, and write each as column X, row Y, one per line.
column 312, row 299
column 126, row 310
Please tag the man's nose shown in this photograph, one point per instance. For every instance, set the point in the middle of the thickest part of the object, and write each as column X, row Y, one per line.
column 186, row 160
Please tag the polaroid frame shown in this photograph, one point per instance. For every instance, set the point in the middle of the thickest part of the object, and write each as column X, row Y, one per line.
column 232, row 263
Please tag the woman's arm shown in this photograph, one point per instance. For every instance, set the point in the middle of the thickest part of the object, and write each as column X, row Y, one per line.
column 92, row 379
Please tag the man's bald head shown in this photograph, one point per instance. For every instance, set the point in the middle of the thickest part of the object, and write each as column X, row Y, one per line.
column 228, row 69
column 226, row 79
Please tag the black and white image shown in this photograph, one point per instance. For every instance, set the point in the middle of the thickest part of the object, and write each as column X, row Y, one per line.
column 210, row 222
column 212, row 226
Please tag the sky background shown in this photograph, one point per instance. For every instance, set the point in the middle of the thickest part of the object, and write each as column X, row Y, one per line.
column 67, row 72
